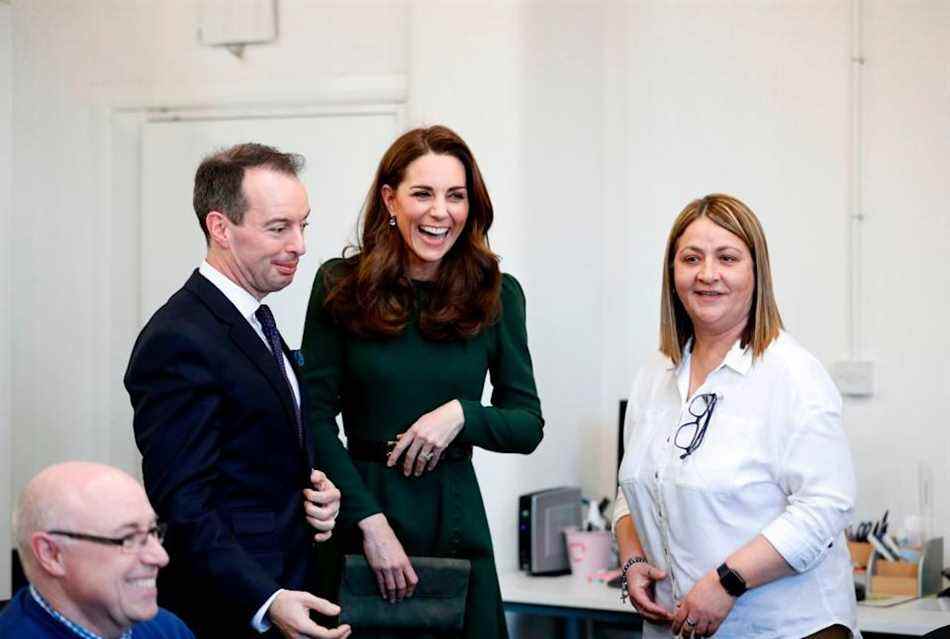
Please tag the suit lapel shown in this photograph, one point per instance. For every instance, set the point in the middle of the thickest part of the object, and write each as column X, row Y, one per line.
column 247, row 341
column 255, row 350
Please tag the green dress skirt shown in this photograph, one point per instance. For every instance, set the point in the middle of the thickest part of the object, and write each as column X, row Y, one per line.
column 381, row 387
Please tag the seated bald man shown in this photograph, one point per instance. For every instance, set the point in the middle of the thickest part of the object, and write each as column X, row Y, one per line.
column 91, row 549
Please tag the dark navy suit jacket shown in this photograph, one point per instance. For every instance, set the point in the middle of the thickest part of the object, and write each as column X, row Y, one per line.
column 221, row 460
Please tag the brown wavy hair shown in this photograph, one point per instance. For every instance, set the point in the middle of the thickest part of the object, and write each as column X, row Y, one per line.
column 765, row 321
column 372, row 295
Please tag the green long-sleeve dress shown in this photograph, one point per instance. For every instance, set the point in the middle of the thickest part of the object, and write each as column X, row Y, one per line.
column 382, row 386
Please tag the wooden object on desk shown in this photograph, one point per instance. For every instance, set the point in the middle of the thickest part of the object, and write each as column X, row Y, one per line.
column 860, row 553
column 894, row 578
column 905, row 578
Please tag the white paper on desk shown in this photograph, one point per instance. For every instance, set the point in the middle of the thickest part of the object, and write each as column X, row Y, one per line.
column 886, row 601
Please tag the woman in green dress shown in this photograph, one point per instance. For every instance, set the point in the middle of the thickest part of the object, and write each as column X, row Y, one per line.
column 398, row 338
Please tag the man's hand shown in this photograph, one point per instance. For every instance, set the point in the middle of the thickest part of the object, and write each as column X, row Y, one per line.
column 705, row 607
column 640, row 586
column 321, row 504
column 427, row 438
column 385, row 555
column 290, row 612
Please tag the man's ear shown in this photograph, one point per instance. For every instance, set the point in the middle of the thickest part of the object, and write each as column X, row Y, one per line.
column 48, row 553
column 218, row 229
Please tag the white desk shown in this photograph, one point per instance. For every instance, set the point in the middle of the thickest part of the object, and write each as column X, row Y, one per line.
column 914, row 618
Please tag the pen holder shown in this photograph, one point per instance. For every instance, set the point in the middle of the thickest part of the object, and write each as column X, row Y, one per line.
column 906, row 578
column 588, row 552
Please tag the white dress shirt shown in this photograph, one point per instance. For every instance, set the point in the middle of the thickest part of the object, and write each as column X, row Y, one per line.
column 247, row 305
column 774, row 461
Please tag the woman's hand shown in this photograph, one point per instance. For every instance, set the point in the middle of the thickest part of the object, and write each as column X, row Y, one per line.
column 705, row 607
column 385, row 555
column 641, row 578
column 427, row 438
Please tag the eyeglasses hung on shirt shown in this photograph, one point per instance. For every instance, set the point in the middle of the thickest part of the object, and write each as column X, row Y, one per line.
column 131, row 543
column 689, row 436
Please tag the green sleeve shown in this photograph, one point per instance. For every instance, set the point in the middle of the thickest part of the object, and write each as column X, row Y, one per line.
column 513, row 423
column 323, row 370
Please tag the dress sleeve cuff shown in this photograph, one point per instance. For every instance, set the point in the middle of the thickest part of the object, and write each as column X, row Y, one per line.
column 475, row 422
column 621, row 509
column 260, row 622
column 801, row 554
column 350, row 518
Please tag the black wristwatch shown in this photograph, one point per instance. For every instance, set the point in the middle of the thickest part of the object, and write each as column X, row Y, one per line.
column 731, row 580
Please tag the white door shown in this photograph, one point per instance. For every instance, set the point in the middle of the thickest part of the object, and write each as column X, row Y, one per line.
column 342, row 151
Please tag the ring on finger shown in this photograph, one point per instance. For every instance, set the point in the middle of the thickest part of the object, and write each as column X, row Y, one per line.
column 691, row 623
column 425, row 456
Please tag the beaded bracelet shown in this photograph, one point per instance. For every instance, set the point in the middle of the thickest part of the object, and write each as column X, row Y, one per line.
column 636, row 559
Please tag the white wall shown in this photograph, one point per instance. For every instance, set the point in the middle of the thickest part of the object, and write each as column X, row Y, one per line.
column 6, row 473
column 75, row 270
column 907, row 284
column 594, row 123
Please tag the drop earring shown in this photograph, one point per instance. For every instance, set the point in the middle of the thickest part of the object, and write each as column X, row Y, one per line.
column 392, row 220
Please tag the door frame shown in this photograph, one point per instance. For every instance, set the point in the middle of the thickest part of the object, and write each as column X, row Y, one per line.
column 120, row 116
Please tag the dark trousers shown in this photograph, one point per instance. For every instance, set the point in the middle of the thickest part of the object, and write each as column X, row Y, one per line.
column 831, row 632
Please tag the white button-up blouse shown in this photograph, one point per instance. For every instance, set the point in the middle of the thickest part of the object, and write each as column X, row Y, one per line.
column 774, row 461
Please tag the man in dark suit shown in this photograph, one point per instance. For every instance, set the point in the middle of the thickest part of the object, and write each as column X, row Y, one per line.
column 219, row 415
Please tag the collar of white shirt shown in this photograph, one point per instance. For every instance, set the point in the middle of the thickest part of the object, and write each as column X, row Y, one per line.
column 245, row 303
column 738, row 359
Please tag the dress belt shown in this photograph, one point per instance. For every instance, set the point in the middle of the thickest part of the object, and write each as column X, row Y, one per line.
column 378, row 451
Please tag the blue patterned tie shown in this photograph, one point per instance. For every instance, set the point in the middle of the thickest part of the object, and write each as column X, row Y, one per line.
column 269, row 327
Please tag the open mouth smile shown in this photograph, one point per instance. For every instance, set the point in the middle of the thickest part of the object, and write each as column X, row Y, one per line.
column 434, row 231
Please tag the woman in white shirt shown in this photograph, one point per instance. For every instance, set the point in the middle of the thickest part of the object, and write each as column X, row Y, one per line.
column 737, row 481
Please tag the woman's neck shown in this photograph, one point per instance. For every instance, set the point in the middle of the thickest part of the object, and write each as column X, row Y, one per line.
column 422, row 271
column 709, row 351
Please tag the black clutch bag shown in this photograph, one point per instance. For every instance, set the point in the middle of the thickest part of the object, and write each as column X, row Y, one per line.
column 438, row 604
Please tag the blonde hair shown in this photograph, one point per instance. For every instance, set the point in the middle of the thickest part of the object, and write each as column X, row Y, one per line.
column 765, row 322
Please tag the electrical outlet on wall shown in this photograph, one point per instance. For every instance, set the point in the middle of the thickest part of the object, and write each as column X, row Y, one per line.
column 854, row 378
